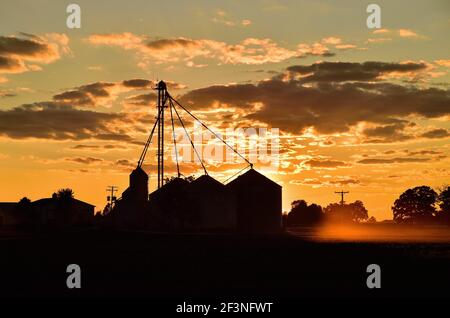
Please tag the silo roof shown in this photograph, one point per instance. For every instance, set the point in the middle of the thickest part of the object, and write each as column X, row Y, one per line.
column 207, row 181
column 252, row 176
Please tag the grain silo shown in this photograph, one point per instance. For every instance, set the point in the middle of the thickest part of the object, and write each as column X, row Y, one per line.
column 172, row 205
column 258, row 202
column 138, row 188
column 130, row 210
column 215, row 203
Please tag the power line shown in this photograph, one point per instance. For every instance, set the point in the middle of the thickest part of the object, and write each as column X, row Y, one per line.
column 163, row 97
column 147, row 144
column 192, row 144
column 216, row 135
column 174, row 137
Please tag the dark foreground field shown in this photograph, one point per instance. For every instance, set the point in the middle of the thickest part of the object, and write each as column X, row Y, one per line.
column 133, row 265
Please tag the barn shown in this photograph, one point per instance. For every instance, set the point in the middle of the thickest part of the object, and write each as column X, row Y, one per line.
column 258, row 202
column 70, row 212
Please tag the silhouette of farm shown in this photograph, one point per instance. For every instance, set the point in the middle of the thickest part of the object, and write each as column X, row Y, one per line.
column 199, row 237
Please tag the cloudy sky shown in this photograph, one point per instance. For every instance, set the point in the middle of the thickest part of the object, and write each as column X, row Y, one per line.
column 359, row 109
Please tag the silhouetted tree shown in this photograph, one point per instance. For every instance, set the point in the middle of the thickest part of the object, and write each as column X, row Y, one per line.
column 64, row 200
column 444, row 199
column 415, row 205
column 444, row 204
column 353, row 212
column 24, row 211
column 188, row 179
column 65, row 194
column 372, row 219
column 359, row 212
column 24, row 202
column 303, row 214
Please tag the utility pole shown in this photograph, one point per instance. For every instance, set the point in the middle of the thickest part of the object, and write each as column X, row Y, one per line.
column 342, row 193
column 162, row 98
column 111, row 198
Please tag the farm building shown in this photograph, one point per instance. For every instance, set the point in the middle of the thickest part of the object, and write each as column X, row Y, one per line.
column 47, row 211
column 258, row 202
column 250, row 203
column 7, row 214
column 215, row 203
column 130, row 210
column 51, row 211
column 172, row 206
column 138, row 189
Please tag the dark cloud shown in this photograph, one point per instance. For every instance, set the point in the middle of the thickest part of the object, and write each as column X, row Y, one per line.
column 58, row 121
column 329, row 107
column 99, row 93
column 82, row 147
column 7, row 94
column 164, row 44
column 436, row 133
column 322, row 54
column 114, row 136
column 138, row 83
column 25, row 47
column 388, row 133
column 387, row 130
column 423, row 152
column 345, row 182
column 142, row 99
column 325, row 163
column 392, row 160
column 86, row 95
column 347, row 71
column 85, row 160
column 10, row 65
column 17, row 52
column 97, row 147
column 124, row 162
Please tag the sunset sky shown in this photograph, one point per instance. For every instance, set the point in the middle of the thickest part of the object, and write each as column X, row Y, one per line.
column 362, row 110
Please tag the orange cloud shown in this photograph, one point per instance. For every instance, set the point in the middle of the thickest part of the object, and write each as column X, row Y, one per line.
column 406, row 33
column 17, row 54
column 252, row 51
column 403, row 33
column 378, row 40
column 381, row 31
column 443, row 62
column 104, row 93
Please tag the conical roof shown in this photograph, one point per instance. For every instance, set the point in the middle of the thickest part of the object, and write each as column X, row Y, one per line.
column 251, row 177
column 139, row 172
column 207, row 182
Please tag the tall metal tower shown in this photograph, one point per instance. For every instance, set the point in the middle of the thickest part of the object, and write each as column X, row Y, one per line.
column 165, row 100
column 162, row 99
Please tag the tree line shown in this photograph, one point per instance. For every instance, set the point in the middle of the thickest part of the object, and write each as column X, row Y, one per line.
column 418, row 205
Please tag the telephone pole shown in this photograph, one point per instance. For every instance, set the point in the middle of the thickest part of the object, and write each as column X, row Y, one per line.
column 342, row 193
column 111, row 198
